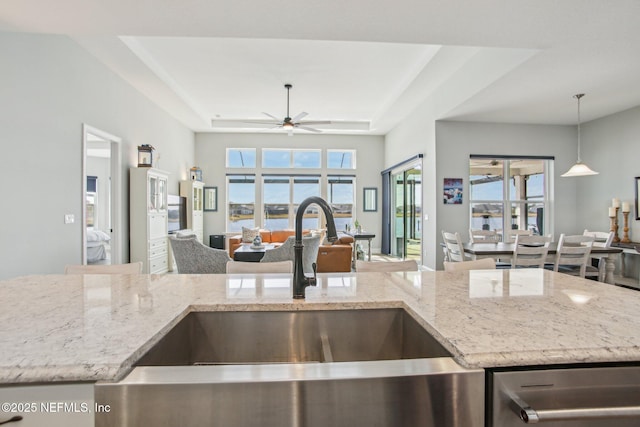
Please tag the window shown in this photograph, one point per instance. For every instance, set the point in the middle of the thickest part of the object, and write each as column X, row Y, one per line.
column 341, row 197
column 518, row 205
column 282, row 194
column 288, row 176
column 284, row 158
column 241, row 200
column 241, row 157
column 341, row 159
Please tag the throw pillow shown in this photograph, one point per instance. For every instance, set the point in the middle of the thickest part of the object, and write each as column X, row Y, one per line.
column 248, row 234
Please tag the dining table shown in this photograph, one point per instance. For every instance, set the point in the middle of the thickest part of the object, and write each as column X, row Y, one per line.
column 504, row 251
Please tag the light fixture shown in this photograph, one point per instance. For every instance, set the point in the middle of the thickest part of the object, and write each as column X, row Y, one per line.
column 145, row 156
column 579, row 169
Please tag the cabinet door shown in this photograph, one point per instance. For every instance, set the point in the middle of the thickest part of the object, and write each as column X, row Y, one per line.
column 197, row 198
column 162, row 194
column 152, row 193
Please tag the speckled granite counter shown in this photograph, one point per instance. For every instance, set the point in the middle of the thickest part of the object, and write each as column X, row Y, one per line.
column 94, row 327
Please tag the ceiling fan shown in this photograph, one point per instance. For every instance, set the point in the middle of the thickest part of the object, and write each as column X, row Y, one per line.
column 289, row 123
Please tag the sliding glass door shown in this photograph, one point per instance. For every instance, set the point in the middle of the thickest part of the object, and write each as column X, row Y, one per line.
column 406, row 225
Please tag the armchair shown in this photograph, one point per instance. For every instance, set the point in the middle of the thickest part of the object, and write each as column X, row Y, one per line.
column 286, row 252
column 192, row 257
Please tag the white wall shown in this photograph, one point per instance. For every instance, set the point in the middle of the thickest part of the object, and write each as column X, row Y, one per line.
column 50, row 87
column 210, row 154
column 611, row 146
column 416, row 135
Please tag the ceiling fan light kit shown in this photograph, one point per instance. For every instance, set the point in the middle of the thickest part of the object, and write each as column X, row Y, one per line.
column 579, row 169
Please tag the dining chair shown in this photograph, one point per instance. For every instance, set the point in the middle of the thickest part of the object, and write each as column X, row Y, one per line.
column 484, row 236
column 390, row 266
column 130, row 268
column 453, row 245
column 476, row 264
column 530, row 251
column 572, row 254
column 513, row 234
column 259, row 267
column 603, row 239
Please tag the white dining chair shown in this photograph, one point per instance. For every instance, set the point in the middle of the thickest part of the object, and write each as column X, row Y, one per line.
column 454, row 248
column 476, row 264
column 572, row 254
column 259, row 267
column 596, row 268
column 386, row 266
column 484, row 236
column 513, row 234
column 130, row 268
column 530, row 251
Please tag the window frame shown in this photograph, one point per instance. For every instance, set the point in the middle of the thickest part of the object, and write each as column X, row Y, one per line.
column 508, row 203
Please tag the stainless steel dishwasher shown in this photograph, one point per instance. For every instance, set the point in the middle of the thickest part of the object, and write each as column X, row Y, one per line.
column 594, row 396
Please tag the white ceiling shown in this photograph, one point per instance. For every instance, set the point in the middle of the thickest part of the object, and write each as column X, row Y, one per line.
column 358, row 63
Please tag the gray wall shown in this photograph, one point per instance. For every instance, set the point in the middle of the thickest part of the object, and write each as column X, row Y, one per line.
column 456, row 141
column 210, row 152
column 611, row 146
column 50, row 87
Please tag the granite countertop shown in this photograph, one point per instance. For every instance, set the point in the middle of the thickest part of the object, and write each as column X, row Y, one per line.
column 94, row 327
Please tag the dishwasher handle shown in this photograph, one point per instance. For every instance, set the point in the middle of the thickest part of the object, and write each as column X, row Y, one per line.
column 529, row 415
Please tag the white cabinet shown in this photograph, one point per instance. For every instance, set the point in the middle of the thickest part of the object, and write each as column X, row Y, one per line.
column 194, row 192
column 148, row 219
column 59, row 405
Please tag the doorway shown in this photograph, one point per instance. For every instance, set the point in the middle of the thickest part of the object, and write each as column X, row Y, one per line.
column 101, row 197
column 406, row 228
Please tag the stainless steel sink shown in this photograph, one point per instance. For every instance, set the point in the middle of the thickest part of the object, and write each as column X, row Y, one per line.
column 206, row 338
column 303, row 368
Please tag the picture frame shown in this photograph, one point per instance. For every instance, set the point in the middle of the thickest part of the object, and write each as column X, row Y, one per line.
column 210, row 199
column 637, row 198
column 370, row 199
column 452, row 191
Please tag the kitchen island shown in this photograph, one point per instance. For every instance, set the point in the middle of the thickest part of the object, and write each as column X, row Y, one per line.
column 82, row 329
column 95, row 327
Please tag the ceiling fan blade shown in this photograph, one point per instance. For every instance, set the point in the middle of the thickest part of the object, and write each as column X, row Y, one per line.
column 273, row 117
column 261, row 122
column 317, row 122
column 308, row 129
column 299, row 116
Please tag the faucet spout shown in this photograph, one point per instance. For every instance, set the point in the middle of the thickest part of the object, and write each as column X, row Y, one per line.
column 300, row 280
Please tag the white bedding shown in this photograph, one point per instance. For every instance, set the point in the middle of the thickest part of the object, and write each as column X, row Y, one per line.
column 97, row 245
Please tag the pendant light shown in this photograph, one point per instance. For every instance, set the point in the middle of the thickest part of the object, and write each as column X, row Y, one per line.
column 579, row 169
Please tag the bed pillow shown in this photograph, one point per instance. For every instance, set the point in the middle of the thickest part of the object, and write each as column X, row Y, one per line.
column 248, row 234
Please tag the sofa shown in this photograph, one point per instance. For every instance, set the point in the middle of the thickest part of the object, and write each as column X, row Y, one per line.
column 332, row 257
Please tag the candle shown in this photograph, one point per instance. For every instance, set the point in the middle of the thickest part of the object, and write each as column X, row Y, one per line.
column 616, row 202
column 625, row 207
column 612, row 212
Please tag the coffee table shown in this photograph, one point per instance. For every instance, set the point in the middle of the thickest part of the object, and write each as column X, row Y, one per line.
column 247, row 253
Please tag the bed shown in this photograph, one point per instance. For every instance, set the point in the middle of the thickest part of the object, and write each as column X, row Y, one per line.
column 97, row 245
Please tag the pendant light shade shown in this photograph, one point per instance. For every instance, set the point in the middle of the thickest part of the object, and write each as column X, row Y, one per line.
column 579, row 169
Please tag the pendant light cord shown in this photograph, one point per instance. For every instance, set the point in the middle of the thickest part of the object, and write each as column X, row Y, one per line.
column 578, row 96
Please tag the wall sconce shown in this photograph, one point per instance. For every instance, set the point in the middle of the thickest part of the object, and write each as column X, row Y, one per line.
column 145, row 156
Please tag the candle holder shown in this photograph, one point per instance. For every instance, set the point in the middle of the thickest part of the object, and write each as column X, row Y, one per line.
column 613, row 224
column 616, row 239
column 625, row 237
